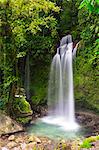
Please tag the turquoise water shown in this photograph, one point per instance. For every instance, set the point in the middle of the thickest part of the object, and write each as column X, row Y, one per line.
column 40, row 128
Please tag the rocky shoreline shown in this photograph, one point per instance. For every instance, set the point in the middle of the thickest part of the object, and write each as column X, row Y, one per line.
column 23, row 141
column 14, row 137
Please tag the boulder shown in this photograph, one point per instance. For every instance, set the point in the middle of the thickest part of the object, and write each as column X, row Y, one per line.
column 22, row 110
column 8, row 125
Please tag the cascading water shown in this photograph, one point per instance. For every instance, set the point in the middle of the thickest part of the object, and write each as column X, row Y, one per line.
column 60, row 91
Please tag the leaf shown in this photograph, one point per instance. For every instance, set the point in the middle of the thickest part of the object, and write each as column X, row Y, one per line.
column 97, row 40
column 21, row 54
column 96, row 29
column 90, row 7
column 92, row 27
column 83, row 3
column 97, row 10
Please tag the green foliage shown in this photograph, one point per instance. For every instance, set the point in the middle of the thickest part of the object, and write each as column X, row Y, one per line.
column 22, row 23
column 42, row 47
column 31, row 16
column 86, row 64
column 92, row 5
column 40, row 84
column 68, row 18
column 21, row 54
column 87, row 142
column 30, row 27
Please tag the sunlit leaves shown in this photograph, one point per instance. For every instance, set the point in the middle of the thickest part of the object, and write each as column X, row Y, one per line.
column 83, row 3
column 3, row 1
column 9, row 80
column 25, row 16
column 31, row 16
column 21, row 54
column 89, row 30
column 21, row 21
column 91, row 5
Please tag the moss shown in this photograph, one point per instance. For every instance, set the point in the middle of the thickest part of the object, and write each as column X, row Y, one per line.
column 93, row 138
column 23, row 120
column 21, row 109
column 97, row 137
column 21, row 105
column 87, row 143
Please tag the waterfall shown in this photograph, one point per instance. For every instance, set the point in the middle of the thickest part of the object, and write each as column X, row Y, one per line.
column 55, row 93
column 61, row 109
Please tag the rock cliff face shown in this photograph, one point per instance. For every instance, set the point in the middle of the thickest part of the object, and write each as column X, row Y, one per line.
column 8, row 125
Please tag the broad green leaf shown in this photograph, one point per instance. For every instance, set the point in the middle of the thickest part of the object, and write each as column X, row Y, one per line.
column 83, row 3
column 90, row 7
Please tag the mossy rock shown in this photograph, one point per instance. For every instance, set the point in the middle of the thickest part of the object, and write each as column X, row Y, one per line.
column 24, row 120
column 22, row 106
column 22, row 110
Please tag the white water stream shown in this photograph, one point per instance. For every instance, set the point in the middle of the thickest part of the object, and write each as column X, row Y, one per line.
column 61, row 109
